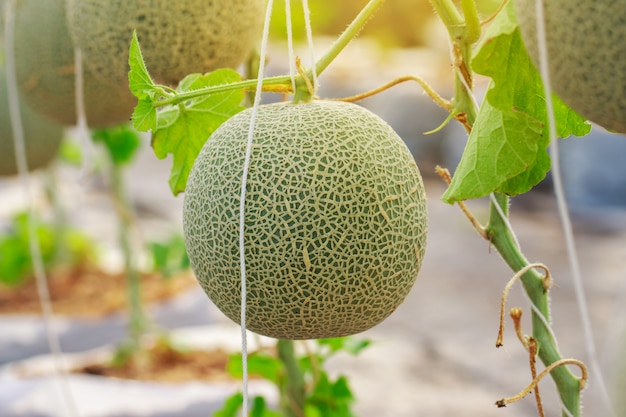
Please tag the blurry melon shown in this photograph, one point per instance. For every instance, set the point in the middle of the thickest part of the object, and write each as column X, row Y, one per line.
column 586, row 55
column 42, row 137
column 335, row 219
column 177, row 37
column 44, row 56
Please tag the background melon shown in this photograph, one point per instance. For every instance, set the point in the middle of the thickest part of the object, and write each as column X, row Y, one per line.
column 335, row 219
column 44, row 56
column 177, row 37
column 42, row 137
column 587, row 55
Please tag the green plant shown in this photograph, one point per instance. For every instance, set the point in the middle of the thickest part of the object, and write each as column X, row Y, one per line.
column 178, row 37
column 169, row 256
column 306, row 387
column 59, row 246
column 585, row 41
column 121, row 144
column 505, row 155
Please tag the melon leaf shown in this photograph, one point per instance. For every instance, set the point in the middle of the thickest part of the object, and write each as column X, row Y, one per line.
column 142, row 87
column 140, row 82
column 507, row 149
column 182, row 130
column 121, row 142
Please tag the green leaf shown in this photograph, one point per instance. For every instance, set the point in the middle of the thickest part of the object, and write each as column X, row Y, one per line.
column 507, row 148
column 341, row 389
column 182, row 130
column 141, row 85
column 259, row 408
column 71, row 153
column 259, row 363
column 144, row 116
column 56, row 246
column 501, row 146
column 330, row 399
column 140, row 82
column 348, row 344
column 121, row 142
column 169, row 257
column 231, row 405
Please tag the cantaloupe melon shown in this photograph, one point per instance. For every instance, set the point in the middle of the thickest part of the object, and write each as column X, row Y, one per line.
column 44, row 56
column 177, row 37
column 335, row 219
column 587, row 55
column 42, row 137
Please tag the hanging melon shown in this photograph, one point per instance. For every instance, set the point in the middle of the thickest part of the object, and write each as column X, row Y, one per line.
column 586, row 55
column 44, row 55
column 42, row 137
column 177, row 37
column 335, row 219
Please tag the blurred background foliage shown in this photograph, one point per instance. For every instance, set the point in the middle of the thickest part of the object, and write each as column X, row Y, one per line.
column 399, row 23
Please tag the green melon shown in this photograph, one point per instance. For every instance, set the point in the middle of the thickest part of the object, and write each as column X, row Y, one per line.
column 44, row 56
column 587, row 55
column 335, row 219
column 42, row 137
column 177, row 37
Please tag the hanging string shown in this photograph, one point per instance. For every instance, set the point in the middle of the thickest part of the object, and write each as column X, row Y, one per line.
column 242, row 204
column 566, row 223
column 82, row 130
column 33, row 239
column 309, row 38
column 291, row 54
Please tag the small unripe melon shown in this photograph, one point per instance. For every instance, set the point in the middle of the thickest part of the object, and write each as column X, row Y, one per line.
column 42, row 137
column 44, row 59
column 335, row 219
column 177, row 37
column 586, row 55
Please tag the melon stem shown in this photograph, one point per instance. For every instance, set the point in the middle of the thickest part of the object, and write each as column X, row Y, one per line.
column 137, row 321
column 284, row 81
column 292, row 390
column 503, row 240
column 463, row 34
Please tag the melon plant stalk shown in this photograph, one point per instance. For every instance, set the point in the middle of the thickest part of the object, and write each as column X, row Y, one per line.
column 137, row 325
column 120, row 145
column 497, row 230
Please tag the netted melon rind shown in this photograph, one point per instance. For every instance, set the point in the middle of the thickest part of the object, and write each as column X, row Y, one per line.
column 177, row 37
column 44, row 59
column 42, row 137
column 587, row 55
column 335, row 220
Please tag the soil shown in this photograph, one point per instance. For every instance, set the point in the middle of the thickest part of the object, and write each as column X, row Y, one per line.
column 164, row 363
column 89, row 292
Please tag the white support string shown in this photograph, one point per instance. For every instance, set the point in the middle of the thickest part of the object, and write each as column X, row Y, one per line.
column 504, row 218
column 291, row 54
column 82, row 129
column 242, row 204
column 566, row 223
column 309, row 38
column 33, row 240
